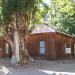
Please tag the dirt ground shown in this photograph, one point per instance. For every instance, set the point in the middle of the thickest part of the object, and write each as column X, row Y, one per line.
column 38, row 67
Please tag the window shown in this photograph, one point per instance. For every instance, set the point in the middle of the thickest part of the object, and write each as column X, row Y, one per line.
column 42, row 47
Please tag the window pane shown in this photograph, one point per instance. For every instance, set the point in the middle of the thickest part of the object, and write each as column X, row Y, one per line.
column 42, row 43
column 42, row 50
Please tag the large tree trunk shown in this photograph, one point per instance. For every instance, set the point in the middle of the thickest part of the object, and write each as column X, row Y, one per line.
column 24, row 55
column 16, row 46
column 20, row 30
column 19, row 50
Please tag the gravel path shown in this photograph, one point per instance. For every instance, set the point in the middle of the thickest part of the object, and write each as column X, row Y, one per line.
column 38, row 67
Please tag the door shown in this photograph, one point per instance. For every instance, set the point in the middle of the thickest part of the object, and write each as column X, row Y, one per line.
column 42, row 48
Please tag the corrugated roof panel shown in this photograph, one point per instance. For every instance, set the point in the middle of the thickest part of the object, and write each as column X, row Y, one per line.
column 43, row 28
column 46, row 28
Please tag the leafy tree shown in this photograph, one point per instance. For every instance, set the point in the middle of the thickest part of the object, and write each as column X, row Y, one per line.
column 62, row 15
column 17, row 18
column 41, row 13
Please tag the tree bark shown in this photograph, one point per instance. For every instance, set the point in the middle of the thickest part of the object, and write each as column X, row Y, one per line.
column 18, row 44
column 11, row 42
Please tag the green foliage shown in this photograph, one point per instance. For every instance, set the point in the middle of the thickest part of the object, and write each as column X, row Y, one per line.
column 12, row 6
column 41, row 13
column 62, row 15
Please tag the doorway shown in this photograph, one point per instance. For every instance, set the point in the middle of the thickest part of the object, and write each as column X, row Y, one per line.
column 42, row 48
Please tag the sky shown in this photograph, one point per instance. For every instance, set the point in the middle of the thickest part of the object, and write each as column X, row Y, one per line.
column 47, row 1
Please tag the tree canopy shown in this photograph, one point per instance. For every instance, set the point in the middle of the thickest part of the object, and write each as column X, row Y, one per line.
column 16, row 18
column 60, row 14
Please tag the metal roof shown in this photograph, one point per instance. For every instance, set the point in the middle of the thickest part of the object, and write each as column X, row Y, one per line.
column 42, row 28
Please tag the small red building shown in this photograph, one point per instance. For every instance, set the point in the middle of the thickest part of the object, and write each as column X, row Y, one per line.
column 5, row 50
column 50, row 43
